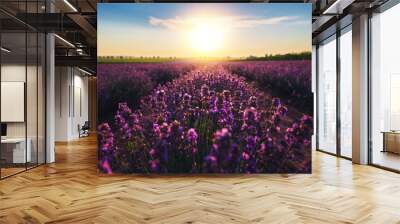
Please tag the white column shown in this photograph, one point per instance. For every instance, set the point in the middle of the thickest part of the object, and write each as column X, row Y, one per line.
column 50, row 92
column 50, row 99
column 360, row 90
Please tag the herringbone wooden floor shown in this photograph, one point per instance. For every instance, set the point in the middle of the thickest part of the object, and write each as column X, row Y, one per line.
column 71, row 191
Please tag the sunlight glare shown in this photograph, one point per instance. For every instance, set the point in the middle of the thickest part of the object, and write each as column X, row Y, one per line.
column 206, row 37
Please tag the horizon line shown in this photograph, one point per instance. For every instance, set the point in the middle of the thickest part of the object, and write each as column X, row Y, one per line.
column 189, row 57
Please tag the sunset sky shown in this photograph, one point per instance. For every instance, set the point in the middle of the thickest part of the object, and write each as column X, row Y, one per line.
column 203, row 30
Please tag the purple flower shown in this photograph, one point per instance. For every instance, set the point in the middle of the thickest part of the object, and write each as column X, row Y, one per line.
column 245, row 156
column 209, row 119
column 282, row 110
column 276, row 102
column 106, row 167
column 154, row 165
column 192, row 136
column 250, row 115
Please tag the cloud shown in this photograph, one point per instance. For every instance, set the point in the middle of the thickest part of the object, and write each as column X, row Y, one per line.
column 253, row 22
column 174, row 23
column 225, row 21
column 301, row 22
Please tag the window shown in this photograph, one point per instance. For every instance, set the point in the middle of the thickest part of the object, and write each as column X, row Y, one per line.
column 385, row 89
column 22, row 77
column 327, row 95
column 346, row 92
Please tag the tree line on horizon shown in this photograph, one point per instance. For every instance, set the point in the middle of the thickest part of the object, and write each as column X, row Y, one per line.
column 267, row 57
column 289, row 56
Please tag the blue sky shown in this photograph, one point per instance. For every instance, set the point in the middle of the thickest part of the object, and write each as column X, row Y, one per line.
column 214, row 30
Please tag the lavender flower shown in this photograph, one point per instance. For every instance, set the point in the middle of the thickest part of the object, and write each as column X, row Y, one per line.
column 208, row 119
column 192, row 136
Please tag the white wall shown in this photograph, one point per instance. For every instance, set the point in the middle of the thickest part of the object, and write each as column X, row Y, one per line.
column 33, row 127
column 80, row 111
column 62, row 81
column 12, row 73
column 71, row 94
column 16, row 73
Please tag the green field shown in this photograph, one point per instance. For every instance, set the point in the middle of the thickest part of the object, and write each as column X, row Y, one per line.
column 133, row 60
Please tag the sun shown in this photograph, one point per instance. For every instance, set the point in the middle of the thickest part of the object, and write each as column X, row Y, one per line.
column 206, row 37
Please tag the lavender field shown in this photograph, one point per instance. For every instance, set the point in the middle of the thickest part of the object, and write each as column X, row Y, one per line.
column 217, row 117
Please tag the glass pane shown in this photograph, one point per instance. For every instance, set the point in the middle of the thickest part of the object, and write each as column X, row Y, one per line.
column 31, row 97
column 327, row 96
column 346, row 93
column 41, row 98
column 13, row 86
column 32, row 87
column 385, row 86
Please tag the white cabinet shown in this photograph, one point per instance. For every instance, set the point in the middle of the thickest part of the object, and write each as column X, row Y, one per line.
column 16, row 147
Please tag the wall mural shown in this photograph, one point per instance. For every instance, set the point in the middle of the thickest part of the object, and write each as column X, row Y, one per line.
column 204, row 88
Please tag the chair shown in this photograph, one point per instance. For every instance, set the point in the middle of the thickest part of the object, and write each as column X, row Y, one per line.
column 84, row 130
